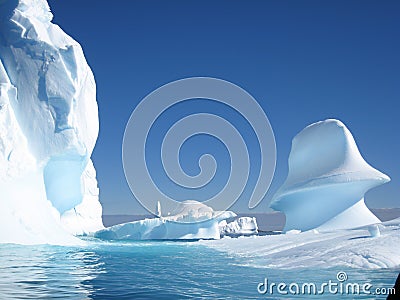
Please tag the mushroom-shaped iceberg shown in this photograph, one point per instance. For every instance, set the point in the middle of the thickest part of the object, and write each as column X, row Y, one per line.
column 327, row 181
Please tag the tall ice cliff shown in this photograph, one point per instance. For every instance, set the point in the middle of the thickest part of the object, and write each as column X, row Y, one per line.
column 48, row 129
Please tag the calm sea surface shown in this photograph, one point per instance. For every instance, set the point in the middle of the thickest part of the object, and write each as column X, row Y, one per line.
column 155, row 270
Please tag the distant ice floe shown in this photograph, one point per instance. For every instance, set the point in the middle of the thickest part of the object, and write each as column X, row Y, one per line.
column 327, row 181
column 190, row 220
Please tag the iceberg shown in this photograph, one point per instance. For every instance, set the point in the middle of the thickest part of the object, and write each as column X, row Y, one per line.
column 327, row 181
column 191, row 220
column 238, row 227
column 48, row 129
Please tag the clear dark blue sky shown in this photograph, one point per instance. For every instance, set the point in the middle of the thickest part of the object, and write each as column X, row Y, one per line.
column 304, row 61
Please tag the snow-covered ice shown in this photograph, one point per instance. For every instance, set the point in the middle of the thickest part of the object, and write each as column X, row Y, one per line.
column 327, row 181
column 353, row 248
column 190, row 220
column 48, row 129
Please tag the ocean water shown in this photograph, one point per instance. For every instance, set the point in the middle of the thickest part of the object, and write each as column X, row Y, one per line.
column 157, row 270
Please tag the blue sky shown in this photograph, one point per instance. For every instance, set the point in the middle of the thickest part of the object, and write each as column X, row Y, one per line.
column 303, row 61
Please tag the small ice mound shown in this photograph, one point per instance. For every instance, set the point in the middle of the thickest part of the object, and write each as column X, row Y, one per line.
column 240, row 226
column 374, row 230
column 191, row 220
column 327, row 181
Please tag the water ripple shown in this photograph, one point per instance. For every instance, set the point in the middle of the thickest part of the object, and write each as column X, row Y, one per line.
column 137, row 270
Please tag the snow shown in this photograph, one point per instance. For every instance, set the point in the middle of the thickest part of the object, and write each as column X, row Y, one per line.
column 327, row 181
column 48, row 129
column 240, row 226
column 353, row 248
column 190, row 220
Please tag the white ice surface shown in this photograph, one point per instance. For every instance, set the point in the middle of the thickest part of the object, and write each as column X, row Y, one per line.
column 343, row 248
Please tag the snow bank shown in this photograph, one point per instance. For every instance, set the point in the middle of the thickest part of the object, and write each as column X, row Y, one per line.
column 327, row 181
column 48, row 127
column 190, row 220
